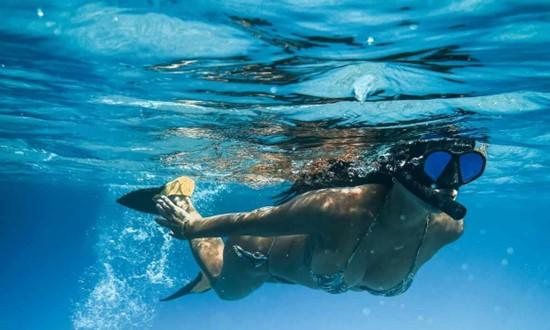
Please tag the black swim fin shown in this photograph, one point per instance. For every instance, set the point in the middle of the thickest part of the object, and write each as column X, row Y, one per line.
column 141, row 199
column 199, row 284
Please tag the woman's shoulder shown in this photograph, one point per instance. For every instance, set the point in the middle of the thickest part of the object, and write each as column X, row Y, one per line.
column 365, row 193
column 364, row 189
column 362, row 200
column 368, row 193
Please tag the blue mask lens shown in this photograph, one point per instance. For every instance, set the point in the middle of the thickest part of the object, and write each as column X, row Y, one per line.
column 471, row 166
column 435, row 164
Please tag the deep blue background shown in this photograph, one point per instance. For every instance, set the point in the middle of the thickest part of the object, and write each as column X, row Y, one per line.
column 47, row 242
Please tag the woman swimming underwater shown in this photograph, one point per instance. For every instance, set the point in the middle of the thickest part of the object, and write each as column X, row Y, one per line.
column 371, row 235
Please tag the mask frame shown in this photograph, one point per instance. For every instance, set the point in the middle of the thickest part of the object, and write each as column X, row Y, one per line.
column 455, row 159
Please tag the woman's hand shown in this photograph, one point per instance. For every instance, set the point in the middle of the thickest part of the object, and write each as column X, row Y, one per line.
column 176, row 217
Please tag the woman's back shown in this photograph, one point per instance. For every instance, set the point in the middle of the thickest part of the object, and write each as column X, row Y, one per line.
column 362, row 245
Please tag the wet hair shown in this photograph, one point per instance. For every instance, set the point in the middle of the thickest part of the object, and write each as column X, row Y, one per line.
column 378, row 169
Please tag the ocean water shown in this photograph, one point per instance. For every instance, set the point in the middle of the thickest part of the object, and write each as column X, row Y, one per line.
column 100, row 98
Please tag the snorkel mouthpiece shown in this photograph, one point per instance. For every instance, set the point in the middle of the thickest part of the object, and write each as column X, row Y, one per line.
column 454, row 209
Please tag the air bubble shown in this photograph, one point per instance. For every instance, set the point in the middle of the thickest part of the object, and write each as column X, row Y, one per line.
column 370, row 40
column 39, row 12
column 366, row 311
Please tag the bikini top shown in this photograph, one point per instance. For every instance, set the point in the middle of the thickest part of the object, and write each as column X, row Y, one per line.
column 335, row 283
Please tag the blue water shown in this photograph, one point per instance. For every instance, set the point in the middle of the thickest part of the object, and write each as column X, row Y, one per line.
column 100, row 98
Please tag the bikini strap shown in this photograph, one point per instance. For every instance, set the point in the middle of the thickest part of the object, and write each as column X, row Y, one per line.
column 369, row 230
column 407, row 280
column 420, row 243
column 405, row 283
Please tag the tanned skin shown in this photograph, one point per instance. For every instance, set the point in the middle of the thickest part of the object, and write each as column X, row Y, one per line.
column 314, row 232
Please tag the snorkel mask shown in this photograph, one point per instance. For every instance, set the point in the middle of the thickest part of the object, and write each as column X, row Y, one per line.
column 434, row 173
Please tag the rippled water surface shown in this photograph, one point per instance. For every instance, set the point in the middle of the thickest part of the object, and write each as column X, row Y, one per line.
column 242, row 95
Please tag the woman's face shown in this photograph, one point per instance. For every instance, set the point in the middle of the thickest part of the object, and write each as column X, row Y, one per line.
column 435, row 171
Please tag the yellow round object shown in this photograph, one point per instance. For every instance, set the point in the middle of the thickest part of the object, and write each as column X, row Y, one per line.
column 181, row 186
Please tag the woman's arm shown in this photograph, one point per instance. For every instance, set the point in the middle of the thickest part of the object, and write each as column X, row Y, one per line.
column 309, row 213
column 286, row 219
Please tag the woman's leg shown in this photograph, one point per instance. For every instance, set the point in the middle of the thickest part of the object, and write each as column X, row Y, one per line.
column 244, row 268
column 230, row 267
column 236, row 268
column 208, row 253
